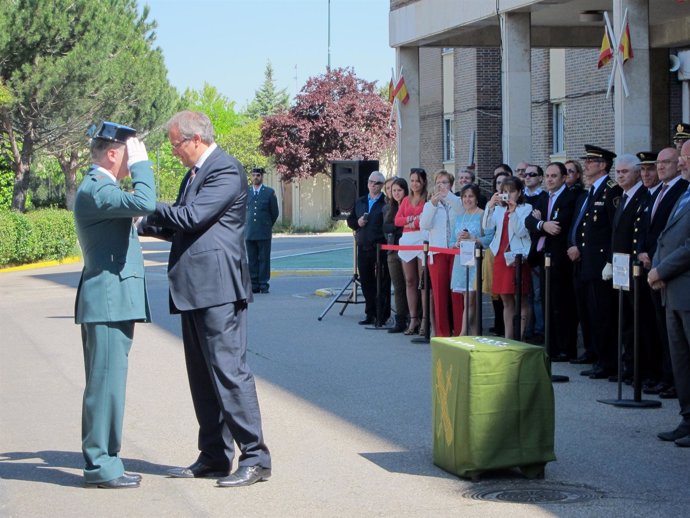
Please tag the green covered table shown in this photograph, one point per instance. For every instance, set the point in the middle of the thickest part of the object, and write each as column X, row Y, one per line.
column 493, row 406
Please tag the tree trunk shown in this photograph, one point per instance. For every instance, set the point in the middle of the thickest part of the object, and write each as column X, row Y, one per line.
column 69, row 165
column 21, row 164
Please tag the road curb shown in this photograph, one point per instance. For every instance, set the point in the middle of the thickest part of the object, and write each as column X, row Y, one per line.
column 41, row 264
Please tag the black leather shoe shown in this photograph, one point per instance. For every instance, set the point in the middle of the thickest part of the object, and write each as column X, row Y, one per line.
column 659, row 387
column 599, row 374
column 669, row 393
column 255, row 290
column 583, row 359
column 367, row 321
column 135, row 476
column 245, row 476
column 264, row 290
column 587, row 372
column 684, row 442
column 198, row 470
column 683, row 430
column 123, row 482
column 560, row 357
column 397, row 328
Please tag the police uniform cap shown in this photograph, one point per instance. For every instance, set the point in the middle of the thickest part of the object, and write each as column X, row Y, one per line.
column 258, row 170
column 647, row 157
column 113, row 132
column 682, row 131
column 598, row 152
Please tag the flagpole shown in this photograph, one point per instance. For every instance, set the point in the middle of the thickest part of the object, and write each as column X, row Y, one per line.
column 391, row 87
column 618, row 62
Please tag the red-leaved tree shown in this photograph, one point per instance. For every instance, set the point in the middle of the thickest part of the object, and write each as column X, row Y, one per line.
column 336, row 116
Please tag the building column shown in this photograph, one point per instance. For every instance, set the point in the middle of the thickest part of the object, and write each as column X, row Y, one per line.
column 409, row 135
column 516, row 87
column 632, row 114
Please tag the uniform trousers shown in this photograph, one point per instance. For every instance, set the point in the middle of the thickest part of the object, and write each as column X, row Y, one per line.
column 222, row 386
column 602, row 308
column 448, row 305
column 259, row 259
column 106, row 350
column 581, row 300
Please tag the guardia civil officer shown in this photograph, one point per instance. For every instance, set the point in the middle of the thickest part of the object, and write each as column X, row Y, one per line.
column 262, row 213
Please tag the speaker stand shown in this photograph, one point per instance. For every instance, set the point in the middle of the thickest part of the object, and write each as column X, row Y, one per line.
column 354, row 282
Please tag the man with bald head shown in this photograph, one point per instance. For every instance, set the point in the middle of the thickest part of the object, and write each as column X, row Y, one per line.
column 673, row 185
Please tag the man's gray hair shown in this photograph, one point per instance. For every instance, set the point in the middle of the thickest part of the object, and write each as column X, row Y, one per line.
column 100, row 147
column 190, row 123
column 379, row 175
column 628, row 159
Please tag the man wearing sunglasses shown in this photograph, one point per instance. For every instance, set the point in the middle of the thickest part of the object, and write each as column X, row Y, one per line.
column 366, row 219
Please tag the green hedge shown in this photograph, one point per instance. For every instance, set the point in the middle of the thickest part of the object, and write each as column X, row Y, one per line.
column 36, row 236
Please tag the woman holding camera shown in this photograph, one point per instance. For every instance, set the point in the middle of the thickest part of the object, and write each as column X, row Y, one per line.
column 408, row 218
column 506, row 212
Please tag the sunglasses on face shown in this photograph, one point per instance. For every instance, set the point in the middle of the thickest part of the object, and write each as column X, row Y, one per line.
column 532, row 175
column 374, row 182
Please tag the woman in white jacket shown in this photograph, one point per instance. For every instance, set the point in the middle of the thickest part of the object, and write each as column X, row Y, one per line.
column 506, row 212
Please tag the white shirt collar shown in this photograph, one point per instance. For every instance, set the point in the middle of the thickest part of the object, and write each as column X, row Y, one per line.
column 106, row 172
column 653, row 190
column 598, row 182
column 205, row 155
column 673, row 181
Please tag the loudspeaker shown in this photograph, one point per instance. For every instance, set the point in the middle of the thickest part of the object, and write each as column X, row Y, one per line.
column 349, row 182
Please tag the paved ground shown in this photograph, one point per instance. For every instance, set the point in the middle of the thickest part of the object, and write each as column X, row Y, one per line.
column 346, row 413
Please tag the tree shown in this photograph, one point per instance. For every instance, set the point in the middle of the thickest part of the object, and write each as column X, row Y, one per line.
column 267, row 100
column 68, row 64
column 336, row 116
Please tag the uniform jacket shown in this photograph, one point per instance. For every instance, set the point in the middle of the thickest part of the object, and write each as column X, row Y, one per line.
column 518, row 235
column 112, row 287
column 372, row 233
column 563, row 212
column 623, row 229
column 262, row 213
column 672, row 261
column 208, row 258
column 593, row 232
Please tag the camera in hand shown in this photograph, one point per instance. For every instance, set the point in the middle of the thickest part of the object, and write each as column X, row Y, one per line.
column 365, row 216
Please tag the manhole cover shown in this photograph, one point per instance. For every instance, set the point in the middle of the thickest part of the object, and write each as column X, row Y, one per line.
column 534, row 494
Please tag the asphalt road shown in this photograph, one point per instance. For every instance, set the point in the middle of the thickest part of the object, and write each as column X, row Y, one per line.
column 346, row 411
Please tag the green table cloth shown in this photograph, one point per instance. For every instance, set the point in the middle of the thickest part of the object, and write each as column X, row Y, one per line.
column 493, row 406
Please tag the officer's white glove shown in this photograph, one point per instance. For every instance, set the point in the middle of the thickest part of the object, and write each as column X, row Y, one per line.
column 136, row 151
column 607, row 272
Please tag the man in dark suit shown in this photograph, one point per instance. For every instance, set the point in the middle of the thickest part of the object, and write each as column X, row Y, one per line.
column 210, row 288
column 589, row 248
column 366, row 219
column 533, row 178
column 622, row 235
column 661, row 205
column 671, row 275
column 112, row 293
column 262, row 213
column 549, row 225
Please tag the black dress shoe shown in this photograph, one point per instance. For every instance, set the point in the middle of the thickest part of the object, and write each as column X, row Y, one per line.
column 264, row 290
column 683, row 442
column 669, row 393
column 123, row 482
column 683, row 430
column 599, row 374
column 583, row 359
column 198, row 470
column 245, row 476
column 135, row 476
column 659, row 387
column 367, row 321
column 397, row 328
column 255, row 290
column 587, row 372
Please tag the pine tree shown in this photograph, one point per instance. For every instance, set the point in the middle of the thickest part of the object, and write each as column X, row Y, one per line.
column 268, row 100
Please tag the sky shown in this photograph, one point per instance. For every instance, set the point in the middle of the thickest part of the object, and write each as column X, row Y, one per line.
column 227, row 43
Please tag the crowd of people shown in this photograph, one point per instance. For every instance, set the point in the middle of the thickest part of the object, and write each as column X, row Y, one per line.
column 578, row 214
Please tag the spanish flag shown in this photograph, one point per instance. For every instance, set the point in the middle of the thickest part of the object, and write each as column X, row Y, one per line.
column 391, row 91
column 401, row 91
column 625, row 47
column 605, row 53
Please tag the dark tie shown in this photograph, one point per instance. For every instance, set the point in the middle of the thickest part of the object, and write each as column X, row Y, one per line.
column 583, row 209
column 619, row 210
column 192, row 174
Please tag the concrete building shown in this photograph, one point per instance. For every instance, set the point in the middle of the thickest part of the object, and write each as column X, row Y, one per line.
column 494, row 81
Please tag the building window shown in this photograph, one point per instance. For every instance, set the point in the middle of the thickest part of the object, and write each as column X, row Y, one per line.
column 447, row 50
column 558, row 110
column 448, row 138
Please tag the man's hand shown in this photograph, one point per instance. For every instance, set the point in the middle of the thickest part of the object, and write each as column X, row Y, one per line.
column 573, row 253
column 553, row 228
column 607, row 272
column 645, row 260
column 654, row 280
column 136, row 151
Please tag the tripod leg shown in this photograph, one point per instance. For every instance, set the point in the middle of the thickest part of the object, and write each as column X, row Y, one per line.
column 335, row 299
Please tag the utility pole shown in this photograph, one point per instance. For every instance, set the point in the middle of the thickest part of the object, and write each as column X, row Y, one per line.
column 329, row 34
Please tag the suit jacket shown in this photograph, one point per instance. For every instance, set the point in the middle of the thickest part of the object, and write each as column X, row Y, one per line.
column 672, row 261
column 593, row 231
column 112, row 287
column 372, row 233
column 208, row 258
column 262, row 213
column 650, row 228
column 623, row 228
column 563, row 211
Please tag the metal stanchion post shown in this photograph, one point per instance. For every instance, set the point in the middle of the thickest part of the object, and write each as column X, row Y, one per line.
column 517, row 317
column 427, row 297
column 548, row 328
column 479, row 254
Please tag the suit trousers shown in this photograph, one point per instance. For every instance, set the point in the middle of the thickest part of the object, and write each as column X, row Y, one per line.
column 678, row 323
column 562, row 312
column 448, row 305
column 602, row 308
column 664, row 355
column 106, row 349
column 259, row 259
column 222, row 386
column 366, row 265
column 581, row 300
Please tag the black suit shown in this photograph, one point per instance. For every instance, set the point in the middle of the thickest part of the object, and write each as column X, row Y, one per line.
column 367, row 237
column 649, row 230
column 210, row 287
column 562, row 310
column 591, row 234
